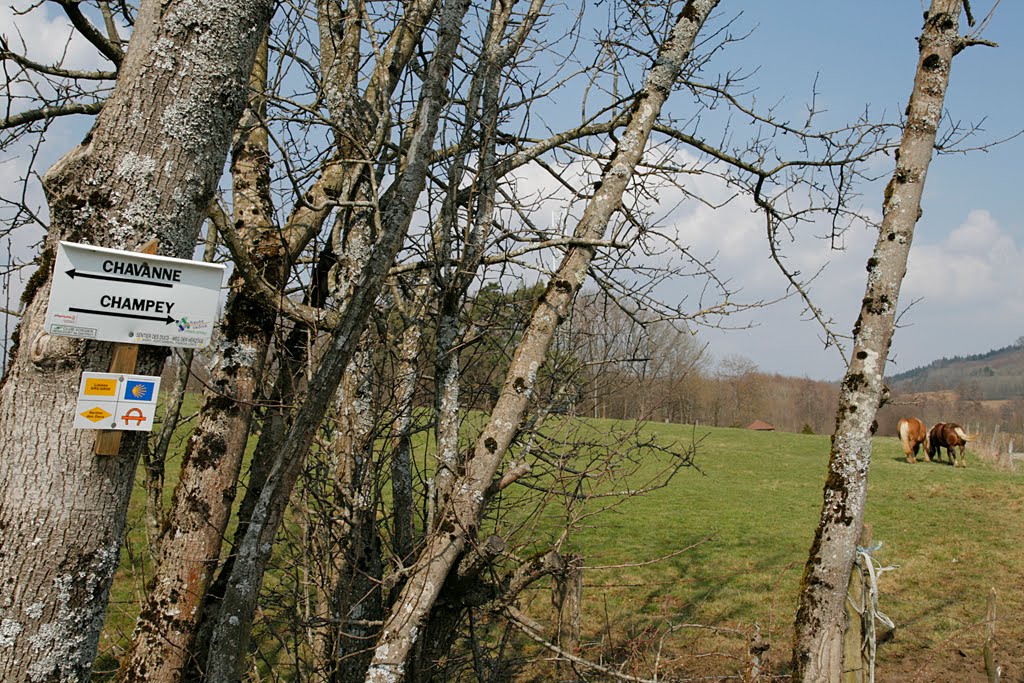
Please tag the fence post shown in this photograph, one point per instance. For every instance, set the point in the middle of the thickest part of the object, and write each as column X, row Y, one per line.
column 855, row 666
column 568, row 602
column 756, row 648
column 991, row 668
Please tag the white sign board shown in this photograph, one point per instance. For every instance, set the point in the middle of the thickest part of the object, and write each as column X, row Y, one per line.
column 116, row 401
column 132, row 298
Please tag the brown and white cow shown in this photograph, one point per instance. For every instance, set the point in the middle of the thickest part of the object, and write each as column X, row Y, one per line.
column 912, row 433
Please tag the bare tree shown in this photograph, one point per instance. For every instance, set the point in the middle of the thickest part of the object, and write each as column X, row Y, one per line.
column 818, row 646
column 462, row 511
column 231, row 633
column 193, row 528
column 384, row 202
column 147, row 170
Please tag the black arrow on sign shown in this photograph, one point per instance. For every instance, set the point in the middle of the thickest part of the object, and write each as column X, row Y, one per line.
column 167, row 319
column 74, row 273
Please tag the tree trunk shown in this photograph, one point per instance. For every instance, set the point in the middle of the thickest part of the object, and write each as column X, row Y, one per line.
column 456, row 279
column 304, row 221
column 403, row 525
column 446, row 409
column 292, row 359
column 449, row 542
column 818, row 645
column 478, row 134
column 148, row 169
column 233, row 625
column 351, row 560
column 221, row 437
column 194, row 530
column 154, row 463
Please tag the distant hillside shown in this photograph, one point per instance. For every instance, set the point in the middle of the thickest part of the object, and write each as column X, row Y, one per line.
column 995, row 375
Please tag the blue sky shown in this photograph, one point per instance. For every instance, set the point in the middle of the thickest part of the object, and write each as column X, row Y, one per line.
column 965, row 270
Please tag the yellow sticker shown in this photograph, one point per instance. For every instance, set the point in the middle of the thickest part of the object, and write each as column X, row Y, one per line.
column 97, row 386
column 95, row 414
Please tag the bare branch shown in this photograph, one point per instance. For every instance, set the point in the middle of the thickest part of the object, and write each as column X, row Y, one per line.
column 273, row 299
column 50, row 112
column 110, row 50
column 535, row 631
column 7, row 53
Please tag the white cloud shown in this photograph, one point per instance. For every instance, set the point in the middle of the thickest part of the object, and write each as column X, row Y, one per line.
column 971, row 289
column 976, row 264
column 969, row 282
column 729, row 232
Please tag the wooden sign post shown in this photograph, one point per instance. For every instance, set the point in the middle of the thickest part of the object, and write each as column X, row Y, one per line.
column 108, row 442
column 131, row 298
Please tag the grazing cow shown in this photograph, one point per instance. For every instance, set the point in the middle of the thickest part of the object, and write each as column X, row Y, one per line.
column 913, row 433
column 949, row 435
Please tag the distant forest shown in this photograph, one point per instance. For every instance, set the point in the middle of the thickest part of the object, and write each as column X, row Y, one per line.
column 995, row 375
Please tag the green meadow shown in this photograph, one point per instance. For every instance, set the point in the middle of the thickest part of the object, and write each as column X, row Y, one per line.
column 679, row 578
column 749, row 508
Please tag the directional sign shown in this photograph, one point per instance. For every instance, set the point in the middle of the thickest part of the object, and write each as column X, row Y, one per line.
column 132, row 298
column 121, row 402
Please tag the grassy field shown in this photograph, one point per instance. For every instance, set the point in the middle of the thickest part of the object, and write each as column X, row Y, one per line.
column 752, row 507
column 749, row 508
